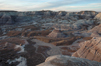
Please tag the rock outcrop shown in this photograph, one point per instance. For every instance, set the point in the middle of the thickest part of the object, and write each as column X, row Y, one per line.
column 96, row 31
column 77, row 25
column 90, row 49
column 7, row 17
column 87, row 14
column 56, row 34
column 11, row 17
column 61, row 60
column 98, row 16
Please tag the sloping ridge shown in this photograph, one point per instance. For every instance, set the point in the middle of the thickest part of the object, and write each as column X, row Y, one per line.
column 98, row 16
column 56, row 34
column 90, row 49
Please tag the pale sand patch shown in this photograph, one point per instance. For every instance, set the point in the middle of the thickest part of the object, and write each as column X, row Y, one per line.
column 54, row 49
column 21, row 47
column 22, row 61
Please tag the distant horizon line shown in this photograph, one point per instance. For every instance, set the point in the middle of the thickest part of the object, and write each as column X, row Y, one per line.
column 48, row 10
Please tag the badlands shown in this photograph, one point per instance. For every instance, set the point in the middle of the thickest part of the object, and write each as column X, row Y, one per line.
column 50, row 38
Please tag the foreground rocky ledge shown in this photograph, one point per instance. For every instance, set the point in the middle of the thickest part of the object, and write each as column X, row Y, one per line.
column 90, row 49
column 62, row 60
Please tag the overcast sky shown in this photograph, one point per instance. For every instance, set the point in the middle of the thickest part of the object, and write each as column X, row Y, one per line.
column 55, row 5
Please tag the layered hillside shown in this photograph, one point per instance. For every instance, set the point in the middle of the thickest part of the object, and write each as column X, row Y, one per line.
column 28, row 38
column 12, row 17
column 98, row 16
column 90, row 50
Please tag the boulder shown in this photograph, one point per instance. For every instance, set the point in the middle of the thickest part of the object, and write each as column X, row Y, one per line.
column 62, row 60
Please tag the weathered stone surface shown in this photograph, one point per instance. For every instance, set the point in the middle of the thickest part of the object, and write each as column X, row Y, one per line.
column 98, row 16
column 67, row 37
column 96, row 31
column 90, row 49
column 7, row 17
column 11, row 17
column 62, row 60
column 56, row 34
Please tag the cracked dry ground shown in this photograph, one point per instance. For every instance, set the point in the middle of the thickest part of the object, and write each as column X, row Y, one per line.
column 32, row 57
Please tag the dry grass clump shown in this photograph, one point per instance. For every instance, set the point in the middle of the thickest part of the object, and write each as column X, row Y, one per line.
column 14, row 33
